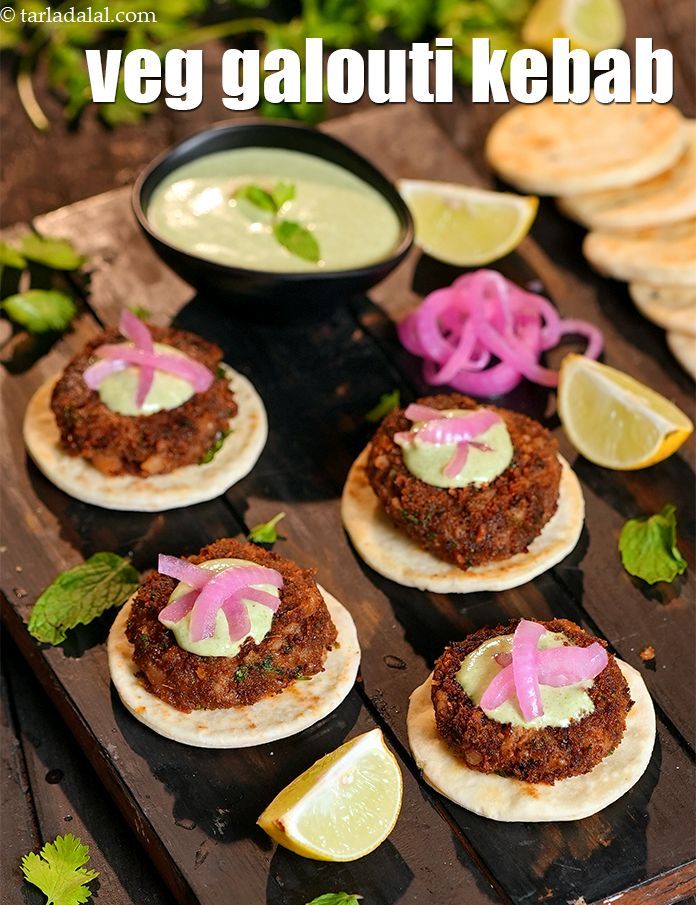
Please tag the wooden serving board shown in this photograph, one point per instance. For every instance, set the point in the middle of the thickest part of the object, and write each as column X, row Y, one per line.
column 195, row 810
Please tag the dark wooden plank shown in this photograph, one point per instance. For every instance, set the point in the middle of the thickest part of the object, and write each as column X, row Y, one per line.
column 19, row 831
column 66, row 798
column 336, row 443
column 633, row 345
column 181, row 821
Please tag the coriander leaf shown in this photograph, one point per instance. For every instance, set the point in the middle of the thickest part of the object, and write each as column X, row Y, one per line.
column 210, row 454
column 58, row 254
column 387, row 402
column 41, row 310
column 282, row 192
column 336, row 898
column 298, row 240
column 140, row 311
column 265, row 533
column 59, row 871
column 648, row 547
column 10, row 257
column 257, row 197
column 80, row 595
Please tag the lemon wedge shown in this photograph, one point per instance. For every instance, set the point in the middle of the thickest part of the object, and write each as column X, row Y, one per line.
column 592, row 25
column 466, row 226
column 343, row 806
column 614, row 420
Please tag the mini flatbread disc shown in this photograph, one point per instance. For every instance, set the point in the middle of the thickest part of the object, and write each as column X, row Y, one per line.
column 511, row 800
column 391, row 552
column 296, row 708
column 182, row 487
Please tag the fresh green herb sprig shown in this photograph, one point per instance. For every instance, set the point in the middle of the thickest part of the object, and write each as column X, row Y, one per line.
column 648, row 547
column 80, row 595
column 336, row 898
column 210, row 453
column 298, row 240
column 59, row 871
column 387, row 402
column 266, row 533
column 40, row 310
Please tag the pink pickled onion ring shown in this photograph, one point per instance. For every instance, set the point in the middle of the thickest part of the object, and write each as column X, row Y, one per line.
column 212, row 591
column 174, row 612
column 136, row 331
column 183, row 570
column 458, row 461
column 457, row 330
column 557, row 667
column 442, row 430
column 95, row 373
column 525, row 668
column 416, row 412
column 193, row 371
column 221, row 586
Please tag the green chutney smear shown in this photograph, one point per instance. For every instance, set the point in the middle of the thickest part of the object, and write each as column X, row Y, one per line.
column 427, row 461
column 220, row 645
column 561, row 705
column 117, row 391
column 194, row 209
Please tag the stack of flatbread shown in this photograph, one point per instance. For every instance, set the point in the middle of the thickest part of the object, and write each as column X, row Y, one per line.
column 628, row 173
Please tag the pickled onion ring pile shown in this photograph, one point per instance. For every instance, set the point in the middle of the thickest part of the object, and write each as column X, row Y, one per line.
column 527, row 668
column 439, row 429
column 483, row 334
column 118, row 356
column 212, row 591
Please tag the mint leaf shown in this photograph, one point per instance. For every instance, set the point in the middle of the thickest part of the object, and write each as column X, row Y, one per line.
column 298, row 240
column 336, row 898
column 10, row 257
column 257, row 197
column 80, row 595
column 58, row 254
column 387, row 402
column 648, row 547
column 282, row 192
column 41, row 310
column 59, row 871
column 265, row 533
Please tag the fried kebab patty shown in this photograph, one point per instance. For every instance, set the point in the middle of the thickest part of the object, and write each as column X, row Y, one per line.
column 532, row 755
column 476, row 524
column 295, row 647
column 142, row 445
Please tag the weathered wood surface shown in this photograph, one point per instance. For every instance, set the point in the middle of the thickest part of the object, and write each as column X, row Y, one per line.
column 317, row 381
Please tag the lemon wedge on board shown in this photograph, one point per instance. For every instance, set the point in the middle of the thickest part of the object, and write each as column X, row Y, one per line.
column 613, row 419
column 467, row 226
column 343, row 806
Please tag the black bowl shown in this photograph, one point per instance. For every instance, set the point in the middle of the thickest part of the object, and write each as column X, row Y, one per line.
column 255, row 291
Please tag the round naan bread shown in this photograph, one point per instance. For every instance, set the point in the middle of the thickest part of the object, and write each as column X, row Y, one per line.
column 664, row 255
column 182, row 487
column 391, row 552
column 565, row 149
column 296, row 708
column 671, row 307
column 511, row 800
column 664, row 199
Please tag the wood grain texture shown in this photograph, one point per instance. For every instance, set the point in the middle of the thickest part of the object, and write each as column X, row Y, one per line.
column 195, row 810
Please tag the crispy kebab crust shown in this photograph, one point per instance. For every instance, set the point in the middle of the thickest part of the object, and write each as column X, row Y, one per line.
column 144, row 444
column 300, row 636
column 532, row 755
column 476, row 524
